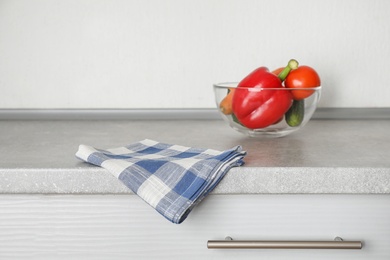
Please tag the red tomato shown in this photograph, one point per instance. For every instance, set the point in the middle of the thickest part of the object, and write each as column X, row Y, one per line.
column 302, row 77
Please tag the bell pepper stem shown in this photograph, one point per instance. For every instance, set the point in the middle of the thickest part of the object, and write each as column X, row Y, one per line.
column 292, row 65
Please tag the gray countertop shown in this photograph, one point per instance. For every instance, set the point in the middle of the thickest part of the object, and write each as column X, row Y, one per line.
column 327, row 156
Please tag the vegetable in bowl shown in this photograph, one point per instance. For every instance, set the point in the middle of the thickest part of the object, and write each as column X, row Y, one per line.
column 263, row 99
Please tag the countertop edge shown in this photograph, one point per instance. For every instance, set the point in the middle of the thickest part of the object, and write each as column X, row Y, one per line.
column 242, row 180
column 174, row 114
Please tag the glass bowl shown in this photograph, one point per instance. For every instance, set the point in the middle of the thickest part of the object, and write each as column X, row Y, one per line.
column 280, row 127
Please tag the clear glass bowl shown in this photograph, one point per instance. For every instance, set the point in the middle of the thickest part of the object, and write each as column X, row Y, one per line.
column 278, row 129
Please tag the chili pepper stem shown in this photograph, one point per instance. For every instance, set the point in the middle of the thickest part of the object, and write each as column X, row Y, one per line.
column 292, row 65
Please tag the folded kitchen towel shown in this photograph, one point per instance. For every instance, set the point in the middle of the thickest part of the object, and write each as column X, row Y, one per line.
column 170, row 178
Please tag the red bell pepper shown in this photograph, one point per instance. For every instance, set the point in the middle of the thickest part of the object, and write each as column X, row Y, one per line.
column 257, row 102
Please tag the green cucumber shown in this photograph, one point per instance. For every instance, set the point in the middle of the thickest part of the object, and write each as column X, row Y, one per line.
column 235, row 119
column 294, row 116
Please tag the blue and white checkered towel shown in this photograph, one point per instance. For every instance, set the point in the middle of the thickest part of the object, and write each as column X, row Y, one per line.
column 170, row 178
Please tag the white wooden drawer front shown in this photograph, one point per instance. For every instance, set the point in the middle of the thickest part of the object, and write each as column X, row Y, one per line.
column 124, row 227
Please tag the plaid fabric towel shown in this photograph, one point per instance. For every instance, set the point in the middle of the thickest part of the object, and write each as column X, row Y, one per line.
column 170, row 178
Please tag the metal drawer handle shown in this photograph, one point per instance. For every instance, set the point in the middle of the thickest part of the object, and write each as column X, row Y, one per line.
column 229, row 243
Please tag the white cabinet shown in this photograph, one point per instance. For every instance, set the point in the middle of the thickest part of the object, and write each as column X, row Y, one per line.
column 124, row 227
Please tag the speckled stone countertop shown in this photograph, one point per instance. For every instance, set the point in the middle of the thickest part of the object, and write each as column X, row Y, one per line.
column 327, row 156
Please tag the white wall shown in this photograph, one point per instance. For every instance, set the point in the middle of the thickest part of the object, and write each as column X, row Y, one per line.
column 167, row 53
